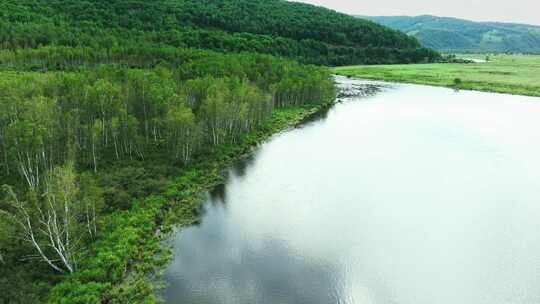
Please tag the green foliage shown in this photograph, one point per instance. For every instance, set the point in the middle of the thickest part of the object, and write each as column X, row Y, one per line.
column 457, row 35
column 129, row 127
column 306, row 33
column 127, row 236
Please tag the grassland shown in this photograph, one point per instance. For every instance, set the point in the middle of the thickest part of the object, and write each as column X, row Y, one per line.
column 513, row 74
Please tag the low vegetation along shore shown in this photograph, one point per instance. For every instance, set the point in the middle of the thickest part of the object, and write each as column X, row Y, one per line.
column 512, row 74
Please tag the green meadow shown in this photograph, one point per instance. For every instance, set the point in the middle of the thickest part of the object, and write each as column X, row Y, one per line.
column 513, row 74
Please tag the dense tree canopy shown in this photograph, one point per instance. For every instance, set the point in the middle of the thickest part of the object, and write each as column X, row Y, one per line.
column 122, row 112
column 61, row 132
column 303, row 32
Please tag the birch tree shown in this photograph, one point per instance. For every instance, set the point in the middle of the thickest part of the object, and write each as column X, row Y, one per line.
column 183, row 132
column 92, row 204
column 51, row 223
column 214, row 112
column 31, row 136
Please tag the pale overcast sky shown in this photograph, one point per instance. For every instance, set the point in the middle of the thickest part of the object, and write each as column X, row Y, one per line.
column 522, row 11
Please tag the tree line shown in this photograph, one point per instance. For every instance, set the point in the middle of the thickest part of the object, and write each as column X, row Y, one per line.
column 122, row 112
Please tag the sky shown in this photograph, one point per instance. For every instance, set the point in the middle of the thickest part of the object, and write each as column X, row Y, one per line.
column 521, row 11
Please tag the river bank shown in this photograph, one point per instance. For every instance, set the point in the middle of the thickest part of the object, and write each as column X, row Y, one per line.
column 510, row 74
column 129, row 257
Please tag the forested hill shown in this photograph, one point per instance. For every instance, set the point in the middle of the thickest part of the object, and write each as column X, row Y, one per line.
column 304, row 32
column 452, row 34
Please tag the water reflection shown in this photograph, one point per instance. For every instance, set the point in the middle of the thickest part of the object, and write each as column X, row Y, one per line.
column 242, row 166
column 416, row 195
column 218, row 196
column 251, row 272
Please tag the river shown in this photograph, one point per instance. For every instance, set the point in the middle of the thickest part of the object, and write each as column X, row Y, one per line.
column 411, row 195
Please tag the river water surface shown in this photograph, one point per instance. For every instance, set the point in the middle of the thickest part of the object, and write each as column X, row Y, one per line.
column 414, row 195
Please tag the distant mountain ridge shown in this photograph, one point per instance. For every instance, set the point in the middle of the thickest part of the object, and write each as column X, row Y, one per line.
column 453, row 34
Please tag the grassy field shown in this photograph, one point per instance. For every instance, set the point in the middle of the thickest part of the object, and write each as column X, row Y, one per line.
column 513, row 74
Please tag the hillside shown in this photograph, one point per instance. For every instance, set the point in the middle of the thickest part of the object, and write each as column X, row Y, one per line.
column 458, row 35
column 303, row 32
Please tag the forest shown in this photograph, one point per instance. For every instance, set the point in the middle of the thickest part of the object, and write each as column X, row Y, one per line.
column 61, row 132
column 116, row 114
column 303, row 32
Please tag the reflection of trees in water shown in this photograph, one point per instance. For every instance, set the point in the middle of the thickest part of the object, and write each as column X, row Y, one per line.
column 217, row 268
column 218, row 195
column 241, row 167
column 321, row 115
